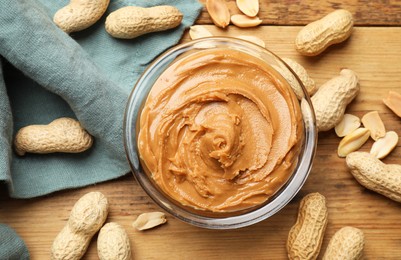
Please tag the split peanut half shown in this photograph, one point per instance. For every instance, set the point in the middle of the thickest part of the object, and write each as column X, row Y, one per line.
column 219, row 12
column 383, row 146
column 373, row 122
column 244, row 21
column 393, row 101
column 149, row 220
column 199, row 31
column 347, row 125
column 248, row 7
column 353, row 141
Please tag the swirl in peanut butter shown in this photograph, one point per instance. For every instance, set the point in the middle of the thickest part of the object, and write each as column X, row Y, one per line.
column 220, row 131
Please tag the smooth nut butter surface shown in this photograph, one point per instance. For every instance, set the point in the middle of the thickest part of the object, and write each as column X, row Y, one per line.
column 220, row 131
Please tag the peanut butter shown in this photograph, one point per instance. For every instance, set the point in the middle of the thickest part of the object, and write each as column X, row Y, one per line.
column 220, row 131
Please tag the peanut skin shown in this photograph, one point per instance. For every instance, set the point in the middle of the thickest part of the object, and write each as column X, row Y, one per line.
column 315, row 37
column 62, row 135
column 131, row 21
column 306, row 236
column 80, row 14
column 375, row 175
column 87, row 216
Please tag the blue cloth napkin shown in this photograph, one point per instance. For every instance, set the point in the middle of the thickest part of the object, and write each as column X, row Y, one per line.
column 46, row 74
column 11, row 245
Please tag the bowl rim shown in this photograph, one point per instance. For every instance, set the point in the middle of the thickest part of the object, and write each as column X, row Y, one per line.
column 280, row 199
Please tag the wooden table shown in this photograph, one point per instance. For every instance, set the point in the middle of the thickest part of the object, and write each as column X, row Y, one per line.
column 374, row 52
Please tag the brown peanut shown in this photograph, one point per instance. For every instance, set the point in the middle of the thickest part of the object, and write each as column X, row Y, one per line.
column 131, row 21
column 64, row 135
column 306, row 236
column 346, row 244
column 332, row 98
column 374, row 175
column 87, row 216
column 315, row 37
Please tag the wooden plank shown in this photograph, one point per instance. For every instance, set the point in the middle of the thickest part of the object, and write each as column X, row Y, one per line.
column 374, row 53
column 295, row 12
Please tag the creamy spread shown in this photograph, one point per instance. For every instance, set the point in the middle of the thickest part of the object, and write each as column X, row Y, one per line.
column 220, row 131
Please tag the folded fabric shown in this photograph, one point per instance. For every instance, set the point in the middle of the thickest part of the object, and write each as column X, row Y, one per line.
column 11, row 245
column 46, row 74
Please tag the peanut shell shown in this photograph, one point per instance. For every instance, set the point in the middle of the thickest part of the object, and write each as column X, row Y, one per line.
column 332, row 98
column 306, row 236
column 346, row 244
column 113, row 243
column 375, row 175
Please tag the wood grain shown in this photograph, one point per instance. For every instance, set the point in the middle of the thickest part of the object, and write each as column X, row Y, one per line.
column 374, row 54
column 296, row 12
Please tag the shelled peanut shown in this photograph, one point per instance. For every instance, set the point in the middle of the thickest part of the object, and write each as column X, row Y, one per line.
column 248, row 7
column 347, row 125
column 393, row 101
column 353, row 141
column 221, row 16
column 219, row 12
column 383, row 146
column 355, row 137
column 149, row 220
column 373, row 122
column 244, row 21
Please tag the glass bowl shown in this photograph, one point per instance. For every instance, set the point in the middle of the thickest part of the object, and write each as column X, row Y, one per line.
column 201, row 218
